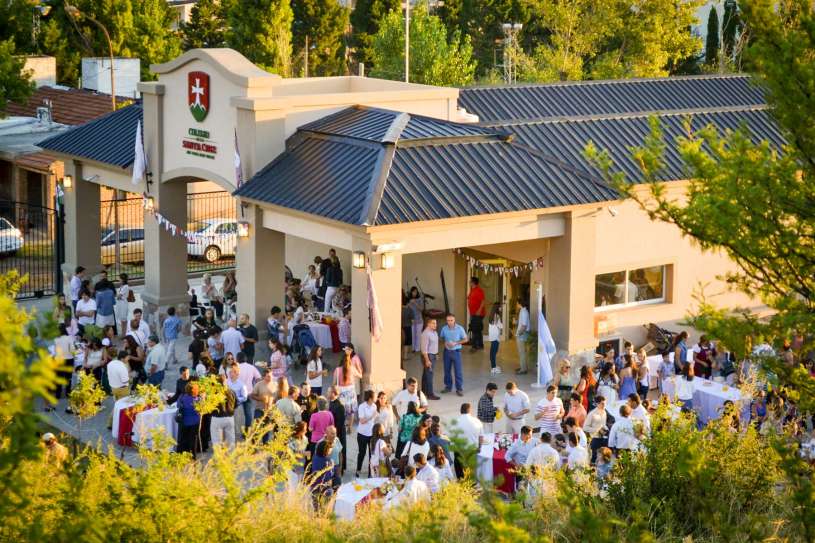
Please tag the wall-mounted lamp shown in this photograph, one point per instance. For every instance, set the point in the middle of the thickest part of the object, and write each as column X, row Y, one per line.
column 67, row 181
column 243, row 229
column 150, row 204
column 388, row 261
column 359, row 260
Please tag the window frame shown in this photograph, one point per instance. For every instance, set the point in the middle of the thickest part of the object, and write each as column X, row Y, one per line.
column 626, row 305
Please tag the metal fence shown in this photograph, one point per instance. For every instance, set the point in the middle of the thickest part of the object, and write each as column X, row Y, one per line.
column 210, row 214
column 31, row 243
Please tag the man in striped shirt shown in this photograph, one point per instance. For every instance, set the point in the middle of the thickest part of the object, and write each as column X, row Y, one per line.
column 549, row 412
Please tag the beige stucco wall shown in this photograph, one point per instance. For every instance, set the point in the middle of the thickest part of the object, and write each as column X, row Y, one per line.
column 300, row 252
column 631, row 240
column 427, row 267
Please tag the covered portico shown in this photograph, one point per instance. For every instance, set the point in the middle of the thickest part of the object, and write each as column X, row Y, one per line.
column 403, row 191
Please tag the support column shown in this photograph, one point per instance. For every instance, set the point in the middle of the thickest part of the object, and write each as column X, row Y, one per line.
column 382, row 359
column 570, row 284
column 260, row 268
column 83, row 231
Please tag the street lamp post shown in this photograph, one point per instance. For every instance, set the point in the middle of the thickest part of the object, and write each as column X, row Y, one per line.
column 74, row 12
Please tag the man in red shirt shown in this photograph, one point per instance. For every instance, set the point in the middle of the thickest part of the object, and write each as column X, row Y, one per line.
column 477, row 307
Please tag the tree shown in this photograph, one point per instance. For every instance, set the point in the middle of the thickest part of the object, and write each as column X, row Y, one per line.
column 153, row 40
column 206, row 27
column 323, row 23
column 261, row 31
column 86, row 399
column 366, row 17
column 56, row 40
column 731, row 27
column 15, row 85
column 712, row 40
column 433, row 60
column 482, row 21
column 16, row 18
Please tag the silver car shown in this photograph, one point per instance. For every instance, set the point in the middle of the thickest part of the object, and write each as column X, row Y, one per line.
column 11, row 239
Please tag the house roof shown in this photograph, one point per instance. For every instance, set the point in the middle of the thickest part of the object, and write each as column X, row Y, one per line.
column 368, row 166
column 617, row 135
column 19, row 135
column 108, row 139
column 68, row 106
column 579, row 98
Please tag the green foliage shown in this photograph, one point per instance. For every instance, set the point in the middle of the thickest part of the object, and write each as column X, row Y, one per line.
column 206, row 27
column 14, row 84
column 731, row 27
column 212, row 393
column 148, row 394
column 59, row 41
column 481, row 20
column 261, row 31
column 16, row 24
column 433, row 60
column 86, row 397
column 712, row 41
column 366, row 18
column 153, row 40
column 324, row 23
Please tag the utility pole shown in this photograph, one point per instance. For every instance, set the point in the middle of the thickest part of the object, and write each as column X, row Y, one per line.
column 74, row 12
column 511, row 31
column 407, row 41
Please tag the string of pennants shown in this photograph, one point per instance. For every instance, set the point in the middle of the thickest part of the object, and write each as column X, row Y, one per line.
column 514, row 270
column 169, row 227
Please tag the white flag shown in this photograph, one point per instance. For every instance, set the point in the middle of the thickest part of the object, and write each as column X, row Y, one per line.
column 139, row 158
column 546, row 349
column 373, row 308
column 238, row 170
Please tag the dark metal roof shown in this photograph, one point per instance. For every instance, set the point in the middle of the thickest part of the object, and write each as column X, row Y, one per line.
column 531, row 102
column 108, row 139
column 384, row 125
column 567, row 139
column 321, row 176
column 439, row 170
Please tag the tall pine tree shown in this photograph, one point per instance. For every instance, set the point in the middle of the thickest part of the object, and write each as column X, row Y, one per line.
column 323, row 23
column 154, row 41
column 206, row 26
column 731, row 25
column 712, row 41
column 365, row 20
column 261, row 31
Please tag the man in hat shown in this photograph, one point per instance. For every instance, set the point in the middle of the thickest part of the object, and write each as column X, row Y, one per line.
column 54, row 451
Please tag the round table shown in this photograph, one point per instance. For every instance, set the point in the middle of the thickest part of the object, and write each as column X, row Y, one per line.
column 122, row 403
column 352, row 495
column 152, row 420
column 709, row 398
column 321, row 333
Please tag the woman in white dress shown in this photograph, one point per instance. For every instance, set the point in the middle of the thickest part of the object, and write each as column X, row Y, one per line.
column 385, row 415
column 122, row 307
column 309, row 282
column 439, row 461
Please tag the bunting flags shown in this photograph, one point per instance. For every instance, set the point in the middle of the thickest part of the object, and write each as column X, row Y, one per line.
column 170, row 227
column 139, row 158
column 375, row 317
column 514, row 270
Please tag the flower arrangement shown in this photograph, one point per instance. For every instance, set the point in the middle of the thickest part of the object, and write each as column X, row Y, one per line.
column 504, row 441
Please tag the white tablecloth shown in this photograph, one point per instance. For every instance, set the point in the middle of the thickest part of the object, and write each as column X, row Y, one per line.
column 120, row 404
column 321, row 333
column 483, row 462
column 653, row 367
column 345, row 505
column 709, row 397
column 148, row 421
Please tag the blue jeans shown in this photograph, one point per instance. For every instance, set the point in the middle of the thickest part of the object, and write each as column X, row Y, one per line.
column 156, row 378
column 494, row 352
column 452, row 361
column 427, row 376
column 247, row 413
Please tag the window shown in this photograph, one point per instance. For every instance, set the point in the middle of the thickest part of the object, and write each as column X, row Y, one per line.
column 227, row 228
column 630, row 287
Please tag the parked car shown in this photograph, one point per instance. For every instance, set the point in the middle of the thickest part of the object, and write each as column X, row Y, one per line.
column 131, row 245
column 214, row 238
column 11, row 239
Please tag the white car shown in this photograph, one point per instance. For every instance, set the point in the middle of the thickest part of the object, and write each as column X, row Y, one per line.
column 214, row 238
column 11, row 239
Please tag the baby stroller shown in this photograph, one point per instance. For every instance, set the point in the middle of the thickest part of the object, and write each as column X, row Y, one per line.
column 302, row 342
column 660, row 337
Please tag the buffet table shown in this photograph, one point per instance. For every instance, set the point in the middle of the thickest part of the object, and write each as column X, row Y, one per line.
column 357, row 493
column 709, row 398
column 151, row 420
column 491, row 463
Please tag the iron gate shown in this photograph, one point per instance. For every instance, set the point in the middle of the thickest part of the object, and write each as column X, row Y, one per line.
column 32, row 243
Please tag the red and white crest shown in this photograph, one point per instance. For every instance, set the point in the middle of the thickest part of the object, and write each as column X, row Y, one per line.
column 198, row 94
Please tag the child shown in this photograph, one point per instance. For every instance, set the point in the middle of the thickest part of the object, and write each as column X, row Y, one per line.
column 666, row 369
column 344, row 328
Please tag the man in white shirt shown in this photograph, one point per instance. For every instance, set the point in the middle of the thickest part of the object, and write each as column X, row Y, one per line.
column 413, row 492
column 470, row 427
column 407, row 395
column 578, row 456
column 544, row 455
column 426, row 473
column 638, row 412
column 76, row 284
column 156, row 361
column 232, row 338
column 136, row 334
column 85, row 309
column 118, row 378
column 621, row 436
column 549, row 412
column 518, row 452
column 521, row 334
column 144, row 328
column 571, row 427
column 248, row 375
column 516, row 406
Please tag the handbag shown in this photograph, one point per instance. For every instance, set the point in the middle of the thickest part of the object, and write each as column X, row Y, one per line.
column 130, row 296
column 179, row 416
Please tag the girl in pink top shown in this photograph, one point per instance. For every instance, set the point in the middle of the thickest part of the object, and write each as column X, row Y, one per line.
column 277, row 362
column 320, row 420
column 346, row 377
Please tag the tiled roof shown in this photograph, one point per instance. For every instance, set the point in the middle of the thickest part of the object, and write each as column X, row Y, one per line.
column 568, row 99
column 359, row 168
column 617, row 135
column 68, row 106
column 40, row 162
column 108, row 139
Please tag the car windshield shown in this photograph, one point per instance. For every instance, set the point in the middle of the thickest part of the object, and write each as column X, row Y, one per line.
column 5, row 225
column 198, row 226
